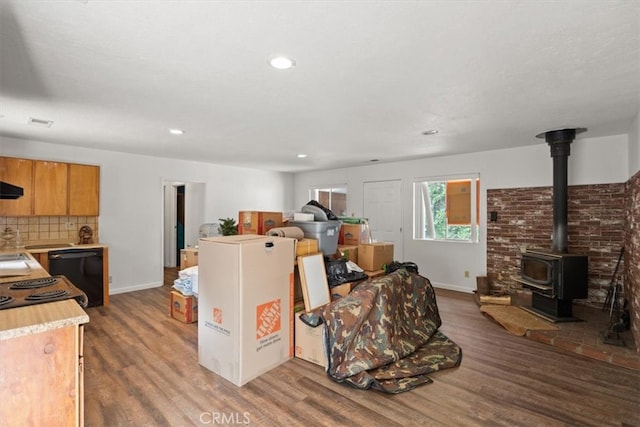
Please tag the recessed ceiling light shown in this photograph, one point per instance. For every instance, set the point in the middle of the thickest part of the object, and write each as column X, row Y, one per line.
column 430, row 132
column 176, row 131
column 40, row 122
column 281, row 62
column 302, row 156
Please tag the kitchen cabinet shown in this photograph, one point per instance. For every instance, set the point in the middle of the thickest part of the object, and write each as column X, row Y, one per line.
column 84, row 190
column 17, row 172
column 50, row 188
column 42, row 365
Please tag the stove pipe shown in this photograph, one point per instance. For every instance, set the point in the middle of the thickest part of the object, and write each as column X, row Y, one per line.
column 559, row 142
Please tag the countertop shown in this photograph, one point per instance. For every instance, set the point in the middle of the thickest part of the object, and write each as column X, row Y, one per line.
column 32, row 319
column 53, row 247
column 36, row 269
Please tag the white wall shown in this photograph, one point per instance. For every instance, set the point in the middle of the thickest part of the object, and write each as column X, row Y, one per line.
column 634, row 146
column 592, row 161
column 131, row 201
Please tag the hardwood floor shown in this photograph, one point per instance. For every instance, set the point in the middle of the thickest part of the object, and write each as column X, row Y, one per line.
column 141, row 369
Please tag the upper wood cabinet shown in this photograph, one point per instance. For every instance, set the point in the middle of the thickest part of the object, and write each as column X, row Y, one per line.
column 17, row 172
column 50, row 186
column 84, row 190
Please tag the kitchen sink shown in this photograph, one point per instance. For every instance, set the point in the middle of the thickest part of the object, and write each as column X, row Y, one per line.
column 17, row 256
column 50, row 246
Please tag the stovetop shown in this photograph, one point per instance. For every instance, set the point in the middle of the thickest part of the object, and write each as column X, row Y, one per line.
column 39, row 291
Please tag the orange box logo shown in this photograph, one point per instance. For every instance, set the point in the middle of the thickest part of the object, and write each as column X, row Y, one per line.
column 268, row 317
column 217, row 315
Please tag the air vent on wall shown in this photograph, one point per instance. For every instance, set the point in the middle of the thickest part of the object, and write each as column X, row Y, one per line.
column 39, row 122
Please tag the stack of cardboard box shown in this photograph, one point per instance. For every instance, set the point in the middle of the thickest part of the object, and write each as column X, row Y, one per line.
column 185, row 307
column 371, row 257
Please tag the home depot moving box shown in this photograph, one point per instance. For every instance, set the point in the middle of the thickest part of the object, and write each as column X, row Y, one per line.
column 372, row 256
column 245, row 325
column 258, row 222
column 183, row 307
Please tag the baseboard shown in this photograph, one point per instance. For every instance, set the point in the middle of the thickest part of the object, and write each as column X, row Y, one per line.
column 116, row 291
column 452, row 287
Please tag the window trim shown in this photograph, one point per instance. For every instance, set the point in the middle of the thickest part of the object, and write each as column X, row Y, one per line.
column 421, row 197
column 315, row 188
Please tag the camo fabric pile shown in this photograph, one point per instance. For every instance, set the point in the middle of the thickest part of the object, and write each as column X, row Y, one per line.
column 384, row 335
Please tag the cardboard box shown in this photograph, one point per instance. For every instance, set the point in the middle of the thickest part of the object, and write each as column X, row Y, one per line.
column 245, row 325
column 258, row 222
column 350, row 252
column 342, row 290
column 354, row 234
column 183, row 307
column 188, row 258
column 306, row 246
column 309, row 342
column 372, row 256
column 372, row 274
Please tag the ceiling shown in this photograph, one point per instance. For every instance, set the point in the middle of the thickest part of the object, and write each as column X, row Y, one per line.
column 370, row 76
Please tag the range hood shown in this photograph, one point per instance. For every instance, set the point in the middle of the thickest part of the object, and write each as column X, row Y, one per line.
column 10, row 191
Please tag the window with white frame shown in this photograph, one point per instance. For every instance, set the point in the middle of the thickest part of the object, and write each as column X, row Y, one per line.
column 447, row 208
column 333, row 197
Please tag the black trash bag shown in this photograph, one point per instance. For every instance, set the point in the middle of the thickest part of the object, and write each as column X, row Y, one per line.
column 338, row 273
column 411, row 267
column 330, row 215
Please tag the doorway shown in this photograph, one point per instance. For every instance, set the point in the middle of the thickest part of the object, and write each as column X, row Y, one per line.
column 382, row 205
column 183, row 216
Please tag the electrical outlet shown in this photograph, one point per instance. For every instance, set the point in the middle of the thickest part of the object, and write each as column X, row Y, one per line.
column 110, row 279
column 466, row 273
column 68, row 225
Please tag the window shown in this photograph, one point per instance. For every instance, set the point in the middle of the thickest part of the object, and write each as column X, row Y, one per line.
column 332, row 197
column 447, row 208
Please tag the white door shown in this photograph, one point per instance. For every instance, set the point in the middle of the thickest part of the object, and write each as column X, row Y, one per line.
column 382, row 202
column 170, row 225
column 194, row 193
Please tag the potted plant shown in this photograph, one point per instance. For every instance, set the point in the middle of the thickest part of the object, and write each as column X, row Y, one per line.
column 228, row 226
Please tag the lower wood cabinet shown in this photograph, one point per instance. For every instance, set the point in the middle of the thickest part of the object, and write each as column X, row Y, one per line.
column 41, row 378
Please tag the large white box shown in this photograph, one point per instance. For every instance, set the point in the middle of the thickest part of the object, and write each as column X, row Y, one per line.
column 245, row 299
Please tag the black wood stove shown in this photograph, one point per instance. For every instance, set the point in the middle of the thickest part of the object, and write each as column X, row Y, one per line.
column 555, row 276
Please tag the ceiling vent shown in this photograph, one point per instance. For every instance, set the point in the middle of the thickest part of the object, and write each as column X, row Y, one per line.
column 39, row 122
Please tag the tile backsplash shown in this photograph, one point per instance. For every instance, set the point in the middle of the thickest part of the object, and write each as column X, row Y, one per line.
column 41, row 229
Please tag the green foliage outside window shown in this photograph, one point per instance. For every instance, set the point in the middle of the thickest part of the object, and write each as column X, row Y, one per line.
column 438, row 198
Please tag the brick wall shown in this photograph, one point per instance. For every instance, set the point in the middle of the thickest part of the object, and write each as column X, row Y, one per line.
column 632, row 253
column 596, row 224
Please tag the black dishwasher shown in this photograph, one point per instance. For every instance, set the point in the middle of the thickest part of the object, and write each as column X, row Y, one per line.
column 83, row 267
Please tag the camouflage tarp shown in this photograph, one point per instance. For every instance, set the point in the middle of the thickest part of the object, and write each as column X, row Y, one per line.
column 384, row 335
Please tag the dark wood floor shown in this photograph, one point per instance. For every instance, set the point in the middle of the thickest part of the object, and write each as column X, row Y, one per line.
column 141, row 369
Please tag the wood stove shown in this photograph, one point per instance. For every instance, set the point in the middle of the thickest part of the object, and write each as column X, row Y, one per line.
column 555, row 276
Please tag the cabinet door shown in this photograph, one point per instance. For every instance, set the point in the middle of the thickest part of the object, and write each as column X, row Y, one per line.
column 84, row 190
column 40, row 377
column 50, row 188
column 17, row 172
